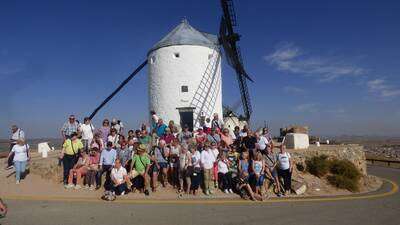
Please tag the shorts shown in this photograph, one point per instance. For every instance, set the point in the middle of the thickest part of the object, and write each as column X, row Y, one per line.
column 274, row 173
column 163, row 165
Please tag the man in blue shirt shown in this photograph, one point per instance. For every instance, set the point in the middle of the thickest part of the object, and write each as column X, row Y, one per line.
column 160, row 128
column 107, row 161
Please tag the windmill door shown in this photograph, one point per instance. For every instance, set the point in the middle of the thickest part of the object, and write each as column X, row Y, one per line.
column 186, row 115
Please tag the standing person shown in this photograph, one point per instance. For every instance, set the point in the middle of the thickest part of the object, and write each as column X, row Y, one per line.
column 258, row 170
column 79, row 170
column 107, row 161
column 174, row 162
column 154, row 119
column 20, row 153
column 250, row 143
column 141, row 166
column 216, row 123
column 69, row 154
column 124, row 154
column 86, row 130
column 168, row 136
column 117, row 125
column 90, row 178
column 160, row 128
column 161, row 153
column 97, row 142
column 285, row 168
column 113, row 138
column 201, row 137
column 16, row 134
column 185, row 168
column 105, row 130
column 207, row 162
column 196, row 175
column 213, row 136
column 185, row 135
column 69, row 127
column 215, row 151
column 119, row 177
column 224, row 175
column 271, row 162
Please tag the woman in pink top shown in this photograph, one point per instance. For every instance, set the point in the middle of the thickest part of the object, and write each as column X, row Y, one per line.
column 94, row 158
column 79, row 170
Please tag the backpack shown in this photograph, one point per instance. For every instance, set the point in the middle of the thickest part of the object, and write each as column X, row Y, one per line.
column 108, row 196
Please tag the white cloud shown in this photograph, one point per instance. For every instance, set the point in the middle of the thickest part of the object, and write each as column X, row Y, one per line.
column 307, row 108
column 292, row 59
column 293, row 90
column 381, row 88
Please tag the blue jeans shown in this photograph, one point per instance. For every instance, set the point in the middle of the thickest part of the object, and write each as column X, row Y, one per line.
column 20, row 167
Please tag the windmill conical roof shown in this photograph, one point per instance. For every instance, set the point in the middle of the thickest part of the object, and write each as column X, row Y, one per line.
column 184, row 34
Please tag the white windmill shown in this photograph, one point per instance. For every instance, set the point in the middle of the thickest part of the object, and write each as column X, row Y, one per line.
column 184, row 73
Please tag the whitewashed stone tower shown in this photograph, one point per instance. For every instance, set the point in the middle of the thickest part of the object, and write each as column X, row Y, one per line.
column 185, row 76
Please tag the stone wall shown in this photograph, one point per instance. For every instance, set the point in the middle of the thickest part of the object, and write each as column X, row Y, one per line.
column 352, row 152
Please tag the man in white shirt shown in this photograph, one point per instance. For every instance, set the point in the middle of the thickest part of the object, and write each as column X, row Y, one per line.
column 207, row 160
column 86, row 130
column 119, row 176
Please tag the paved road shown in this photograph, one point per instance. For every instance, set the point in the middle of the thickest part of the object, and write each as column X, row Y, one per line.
column 375, row 211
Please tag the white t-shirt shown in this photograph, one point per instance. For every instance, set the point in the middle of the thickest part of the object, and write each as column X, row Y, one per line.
column 20, row 152
column 207, row 159
column 196, row 157
column 283, row 159
column 262, row 143
column 118, row 174
column 215, row 153
column 87, row 131
column 222, row 167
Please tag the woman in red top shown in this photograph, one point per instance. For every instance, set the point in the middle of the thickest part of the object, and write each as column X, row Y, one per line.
column 201, row 137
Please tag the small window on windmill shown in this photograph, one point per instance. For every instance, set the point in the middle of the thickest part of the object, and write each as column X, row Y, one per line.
column 210, row 56
column 176, row 55
column 152, row 59
column 184, row 88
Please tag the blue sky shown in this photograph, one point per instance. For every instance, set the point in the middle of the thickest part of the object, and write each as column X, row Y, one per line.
column 331, row 65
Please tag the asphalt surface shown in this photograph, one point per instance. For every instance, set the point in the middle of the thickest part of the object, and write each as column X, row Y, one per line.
column 377, row 211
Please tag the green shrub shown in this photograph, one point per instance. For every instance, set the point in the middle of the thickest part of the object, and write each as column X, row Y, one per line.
column 344, row 168
column 344, row 182
column 318, row 165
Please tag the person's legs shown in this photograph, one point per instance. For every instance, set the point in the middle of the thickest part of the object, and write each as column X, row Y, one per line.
column 164, row 176
column 108, row 181
column 154, row 180
column 71, row 176
column 17, row 166
column 288, row 180
column 188, row 182
column 229, row 180
column 181, row 179
column 98, row 178
column 67, row 161
column 79, row 173
column 215, row 175
column 120, row 189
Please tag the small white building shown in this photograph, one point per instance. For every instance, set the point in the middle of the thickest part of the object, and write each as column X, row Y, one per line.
column 184, row 76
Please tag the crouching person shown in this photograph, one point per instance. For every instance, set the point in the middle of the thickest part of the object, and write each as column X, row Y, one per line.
column 78, row 171
column 119, row 178
column 140, row 169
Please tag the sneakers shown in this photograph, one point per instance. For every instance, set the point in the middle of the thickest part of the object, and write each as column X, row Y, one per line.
column 68, row 186
column 17, row 182
column 92, row 188
column 77, row 187
column 230, row 191
column 123, row 193
column 86, row 187
column 226, row 191
column 146, row 192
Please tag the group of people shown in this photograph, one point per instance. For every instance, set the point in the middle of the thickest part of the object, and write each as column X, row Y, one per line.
column 209, row 158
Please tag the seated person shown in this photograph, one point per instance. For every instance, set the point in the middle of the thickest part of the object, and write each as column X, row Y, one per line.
column 119, row 178
column 78, row 171
column 94, row 158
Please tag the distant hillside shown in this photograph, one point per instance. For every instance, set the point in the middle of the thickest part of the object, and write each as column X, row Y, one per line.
column 56, row 142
